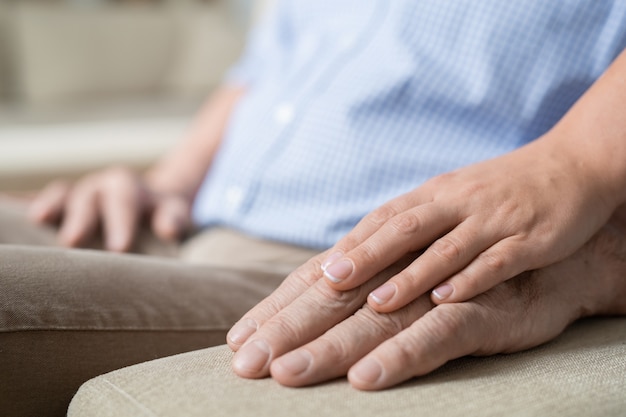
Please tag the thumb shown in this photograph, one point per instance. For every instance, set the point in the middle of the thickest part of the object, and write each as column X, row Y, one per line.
column 171, row 217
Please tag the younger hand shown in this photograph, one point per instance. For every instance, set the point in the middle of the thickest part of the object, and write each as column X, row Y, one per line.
column 480, row 225
column 118, row 200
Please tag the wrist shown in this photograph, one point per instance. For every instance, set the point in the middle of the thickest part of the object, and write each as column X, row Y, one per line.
column 600, row 166
column 584, row 169
column 593, row 130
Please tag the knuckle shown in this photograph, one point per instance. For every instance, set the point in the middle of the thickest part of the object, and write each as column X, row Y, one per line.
column 285, row 327
column 447, row 248
column 384, row 325
column 381, row 215
column 470, row 284
column 368, row 253
column 336, row 348
column 442, row 179
column 447, row 321
column 405, row 351
column 461, row 325
column 448, row 329
column 306, row 275
column 494, row 261
column 270, row 306
column 331, row 299
column 407, row 223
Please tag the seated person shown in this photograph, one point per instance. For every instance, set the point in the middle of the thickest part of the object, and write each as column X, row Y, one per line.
column 435, row 149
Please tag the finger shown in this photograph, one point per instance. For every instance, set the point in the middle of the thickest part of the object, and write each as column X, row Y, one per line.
column 48, row 206
column 120, row 209
column 171, row 218
column 444, row 333
column 404, row 233
column 81, row 215
column 374, row 221
column 445, row 257
column 307, row 317
column 332, row 354
column 498, row 263
column 291, row 288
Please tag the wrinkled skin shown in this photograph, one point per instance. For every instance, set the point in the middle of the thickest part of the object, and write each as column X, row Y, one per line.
column 306, row 332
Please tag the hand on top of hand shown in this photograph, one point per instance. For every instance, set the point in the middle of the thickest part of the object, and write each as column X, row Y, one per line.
column 479, row 226
column 306, row 332
column 118, row 200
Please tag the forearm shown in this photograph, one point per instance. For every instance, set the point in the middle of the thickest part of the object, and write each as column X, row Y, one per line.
column 183, row 169
column 593, row 134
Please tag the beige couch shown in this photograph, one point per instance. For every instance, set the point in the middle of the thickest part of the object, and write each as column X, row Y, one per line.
column 582, row 373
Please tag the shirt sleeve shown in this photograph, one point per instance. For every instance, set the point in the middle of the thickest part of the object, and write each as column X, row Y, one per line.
column 267, row 46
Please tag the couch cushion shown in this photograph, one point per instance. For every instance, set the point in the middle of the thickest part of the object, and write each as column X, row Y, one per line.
column 581, row 373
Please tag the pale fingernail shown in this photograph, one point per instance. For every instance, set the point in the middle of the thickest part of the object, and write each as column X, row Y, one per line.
column 296, row 362
column 368, row 370
column 331, row 258
column 252, row 357
column 443, row 291
column 339, row 271
column 384, row 293
column 242, row 331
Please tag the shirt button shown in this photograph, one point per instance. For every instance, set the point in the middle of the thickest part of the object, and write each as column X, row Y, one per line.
column 284, row 114
column 234, row 197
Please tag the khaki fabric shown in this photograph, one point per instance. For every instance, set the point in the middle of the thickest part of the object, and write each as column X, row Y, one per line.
column 582, row 373
column 69, row 315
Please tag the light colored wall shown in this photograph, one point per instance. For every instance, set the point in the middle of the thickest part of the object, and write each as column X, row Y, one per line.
column 65, row 54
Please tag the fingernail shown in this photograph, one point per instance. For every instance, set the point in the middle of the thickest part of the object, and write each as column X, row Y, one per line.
column 339, row 271
column 384, row 293
column 252, row 357
column 296, row 362
column 443, row 291
column 368, row 370
column 331, row 258
column 242, row 331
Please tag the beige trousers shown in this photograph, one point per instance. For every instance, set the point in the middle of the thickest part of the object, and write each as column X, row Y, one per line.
column 69, row 315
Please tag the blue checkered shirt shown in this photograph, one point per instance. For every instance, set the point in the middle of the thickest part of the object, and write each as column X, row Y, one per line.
column 354, row 102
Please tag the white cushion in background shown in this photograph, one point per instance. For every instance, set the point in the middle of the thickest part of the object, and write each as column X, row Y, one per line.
column 31, row 155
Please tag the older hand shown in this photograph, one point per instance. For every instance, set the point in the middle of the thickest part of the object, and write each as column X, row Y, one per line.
column 481, row 225
column 118, row 198
column 306, row 332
